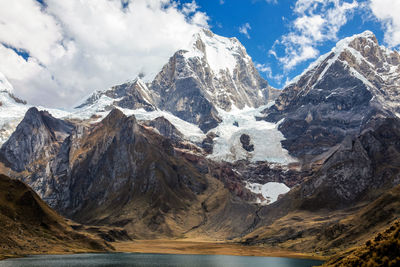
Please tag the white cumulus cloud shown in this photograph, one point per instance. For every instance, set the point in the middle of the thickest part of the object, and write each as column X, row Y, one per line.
column 316, row 21
column 388, row 12
column 76, row 47
column 264, row 68
column 244, row 29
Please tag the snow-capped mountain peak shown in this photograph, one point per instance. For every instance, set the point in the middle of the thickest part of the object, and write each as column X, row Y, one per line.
column 213, row 72
column 339, row 94
column 220, row 52
column 363, row 57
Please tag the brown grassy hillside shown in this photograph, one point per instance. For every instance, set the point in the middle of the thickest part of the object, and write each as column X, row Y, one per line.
column 382, row 250
column 29, row 226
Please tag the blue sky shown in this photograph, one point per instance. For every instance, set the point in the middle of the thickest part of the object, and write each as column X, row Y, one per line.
column 269, row 21
column 55, row 53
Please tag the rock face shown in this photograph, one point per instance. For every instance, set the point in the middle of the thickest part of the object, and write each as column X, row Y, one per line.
column 359, row 170
column 213, row 72
column 337, row 95
column 352, row 196
column 165, row 128
column 37, row 137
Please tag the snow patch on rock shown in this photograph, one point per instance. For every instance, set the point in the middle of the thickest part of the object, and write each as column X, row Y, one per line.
column 270, row 191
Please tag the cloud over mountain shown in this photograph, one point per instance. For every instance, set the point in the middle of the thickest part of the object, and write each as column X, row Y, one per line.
column 56, row 52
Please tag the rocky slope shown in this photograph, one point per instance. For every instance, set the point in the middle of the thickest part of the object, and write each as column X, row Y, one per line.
column 13, row 109
column 337, row 95
column 29, row 226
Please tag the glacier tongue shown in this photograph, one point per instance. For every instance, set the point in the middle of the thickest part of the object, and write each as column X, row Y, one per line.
column 264, row 136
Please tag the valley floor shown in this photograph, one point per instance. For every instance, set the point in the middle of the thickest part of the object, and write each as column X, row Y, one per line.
column 197, row 247
column 194, row 246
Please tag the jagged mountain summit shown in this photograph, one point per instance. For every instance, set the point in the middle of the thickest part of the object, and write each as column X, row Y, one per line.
column 200, row 89
column 213, row 73
column 338, row 95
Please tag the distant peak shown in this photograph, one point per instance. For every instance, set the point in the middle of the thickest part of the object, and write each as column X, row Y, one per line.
column 353, row 43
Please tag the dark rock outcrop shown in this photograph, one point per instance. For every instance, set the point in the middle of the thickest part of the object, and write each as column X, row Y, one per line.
column 245, row 140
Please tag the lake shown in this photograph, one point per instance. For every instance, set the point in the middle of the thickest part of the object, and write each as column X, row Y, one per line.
column 172, row 260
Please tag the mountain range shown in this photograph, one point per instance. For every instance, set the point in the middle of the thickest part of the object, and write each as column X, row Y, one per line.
column 208, row 149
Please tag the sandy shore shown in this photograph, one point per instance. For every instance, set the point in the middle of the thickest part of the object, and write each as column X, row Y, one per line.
column 206, row 248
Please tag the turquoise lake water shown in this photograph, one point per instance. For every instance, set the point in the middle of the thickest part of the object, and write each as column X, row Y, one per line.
column 171, row 260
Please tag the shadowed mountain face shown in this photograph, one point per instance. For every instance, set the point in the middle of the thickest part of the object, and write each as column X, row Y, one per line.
column 338, row 95
column 28, row 225
column 117, row 172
